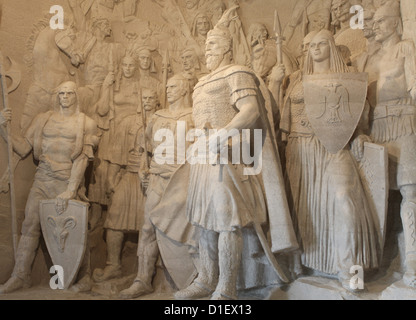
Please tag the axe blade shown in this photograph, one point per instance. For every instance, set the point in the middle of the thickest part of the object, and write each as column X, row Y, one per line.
column 14, row 75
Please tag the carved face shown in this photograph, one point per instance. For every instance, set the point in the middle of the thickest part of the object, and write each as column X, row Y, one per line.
column 128, row 65
column 190, row 4
column 105, row 27
column 341, row 10
column 368, row 29
column 384, row 26
column 261, row 34
column 149, row 99
column 67, row 95
column 188, row 59
column 145, row 60
column 318, row 22
column 319, row 48
column 174, row 91
column 203, row 26
column 215, row 49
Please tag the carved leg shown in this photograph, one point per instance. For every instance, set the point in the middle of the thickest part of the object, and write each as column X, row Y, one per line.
column 230, row 247
column 208, row 269
column 83, row 283
column 148, row 253
column 408, row 215
column 113, row 269
column 26, row 253
column 28, row 244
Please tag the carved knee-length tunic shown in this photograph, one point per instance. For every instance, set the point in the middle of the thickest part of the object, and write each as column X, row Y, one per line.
column 214, row 201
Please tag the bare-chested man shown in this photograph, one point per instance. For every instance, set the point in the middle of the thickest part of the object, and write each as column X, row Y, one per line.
column 393, row 119
column 62, row 141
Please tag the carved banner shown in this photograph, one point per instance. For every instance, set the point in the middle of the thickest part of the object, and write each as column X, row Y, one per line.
column 65, row 235
column 334, row 104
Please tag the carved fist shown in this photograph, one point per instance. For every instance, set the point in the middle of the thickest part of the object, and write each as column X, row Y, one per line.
column 357, row 146
column 77, row 59
column 109, row 80
column 61, row 202
column 5, row 116
column 278, row 73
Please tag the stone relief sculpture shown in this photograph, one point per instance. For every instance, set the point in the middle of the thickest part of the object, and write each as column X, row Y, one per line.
column 218, row 200
column 332, row 215
column 264, row 52
column 192, row 67
column 350, row 41
column 63, row 155
column 111, row 9
column 393, row 117
column 125, row 213
column 157, row 230
column 339, row 99
column 308, row 16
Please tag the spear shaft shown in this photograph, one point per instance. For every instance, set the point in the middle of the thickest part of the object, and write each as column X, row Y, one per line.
column 10, row 157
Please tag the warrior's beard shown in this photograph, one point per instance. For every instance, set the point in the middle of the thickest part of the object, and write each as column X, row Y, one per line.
column 214, row 61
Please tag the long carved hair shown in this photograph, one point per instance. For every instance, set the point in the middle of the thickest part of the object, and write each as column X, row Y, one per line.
column 337, row 64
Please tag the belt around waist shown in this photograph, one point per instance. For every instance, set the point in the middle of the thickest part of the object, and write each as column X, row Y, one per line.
column 384, row 111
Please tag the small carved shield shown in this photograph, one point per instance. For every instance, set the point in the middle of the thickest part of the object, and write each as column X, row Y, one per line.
column 334, row 104
column 65, row 235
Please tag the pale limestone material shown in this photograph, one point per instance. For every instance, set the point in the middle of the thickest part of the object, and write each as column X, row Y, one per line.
column 63, row 155
column 223, row 204
column 65, row 236
column 168, row 37
column 393, row 120
column 330, row 209
column 153, row 237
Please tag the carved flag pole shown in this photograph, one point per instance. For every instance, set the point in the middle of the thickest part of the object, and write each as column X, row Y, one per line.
column 5, row 93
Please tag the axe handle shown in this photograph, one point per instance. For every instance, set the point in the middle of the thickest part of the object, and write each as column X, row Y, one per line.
column 10, row 158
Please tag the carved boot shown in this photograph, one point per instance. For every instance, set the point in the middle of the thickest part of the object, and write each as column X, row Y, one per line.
column 137, row 289
column 208, row 270
column 408, row 215
column 229, row 255
column 113, row 268
column 26, row 253
column 142, row 285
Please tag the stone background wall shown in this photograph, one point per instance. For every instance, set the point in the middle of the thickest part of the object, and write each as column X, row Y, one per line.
column 18, row 18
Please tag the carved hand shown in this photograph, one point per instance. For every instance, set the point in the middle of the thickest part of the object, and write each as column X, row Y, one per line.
column 77, row 59
column 4, row 182
column 5, row 115
column 278, row 73
column 357, row 146
column 109, row 80
column 61, row 202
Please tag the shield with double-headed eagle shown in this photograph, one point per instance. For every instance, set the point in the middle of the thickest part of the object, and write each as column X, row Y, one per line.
column 334, row 104
column 65, row 236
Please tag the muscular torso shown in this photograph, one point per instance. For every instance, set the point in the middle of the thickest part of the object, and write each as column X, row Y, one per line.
column 58, row 141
